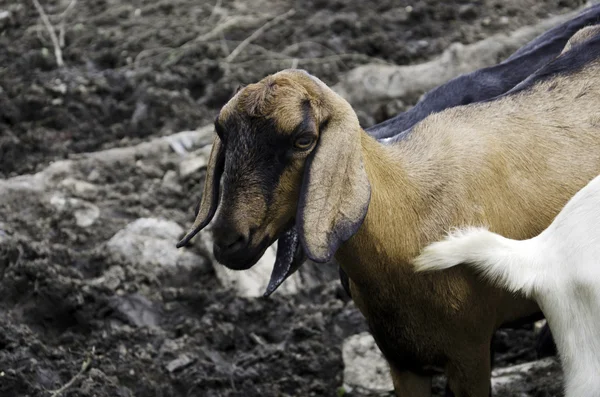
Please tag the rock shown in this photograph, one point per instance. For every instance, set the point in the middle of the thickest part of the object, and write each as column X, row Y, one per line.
column 365, row 368
column 149, row 244
column 85, row 213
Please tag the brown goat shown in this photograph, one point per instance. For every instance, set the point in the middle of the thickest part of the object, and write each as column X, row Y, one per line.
column 291, row 151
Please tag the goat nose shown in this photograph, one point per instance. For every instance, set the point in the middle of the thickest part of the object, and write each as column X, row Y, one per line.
column 230, row 243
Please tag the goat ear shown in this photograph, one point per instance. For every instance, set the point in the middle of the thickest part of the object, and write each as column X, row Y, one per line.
column 335, row 192
column 210, row 196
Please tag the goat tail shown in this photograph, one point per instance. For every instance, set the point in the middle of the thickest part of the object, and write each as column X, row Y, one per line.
column 506, row 262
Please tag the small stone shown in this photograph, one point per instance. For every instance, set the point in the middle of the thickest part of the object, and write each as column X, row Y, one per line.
column 179, row 363
column 538, row 325
column 79, row 188
column 87, row 215
column 467, row 11
column 170, row 181
column 58, row 87
column 84, row 212
column 149, row 169
column 191, row 165
column 111, row 279
column 93, row 176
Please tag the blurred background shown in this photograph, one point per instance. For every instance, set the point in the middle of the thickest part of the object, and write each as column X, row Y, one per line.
column 105, row 113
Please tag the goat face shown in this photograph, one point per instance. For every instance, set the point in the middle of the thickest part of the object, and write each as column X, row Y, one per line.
column 288, row 153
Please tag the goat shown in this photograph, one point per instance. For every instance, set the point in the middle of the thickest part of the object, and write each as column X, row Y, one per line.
column 290, row 152
column 559, row 268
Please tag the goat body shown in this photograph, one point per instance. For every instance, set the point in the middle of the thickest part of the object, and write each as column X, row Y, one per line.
column 559, row 268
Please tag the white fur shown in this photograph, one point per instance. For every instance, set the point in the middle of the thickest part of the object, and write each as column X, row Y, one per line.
column 559, row 268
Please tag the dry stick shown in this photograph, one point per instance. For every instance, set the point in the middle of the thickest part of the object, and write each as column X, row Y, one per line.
column 234, row 21
column 257, row 33
column 84, row 367
column 61, row 29
column 214, row 11
column 50, row 29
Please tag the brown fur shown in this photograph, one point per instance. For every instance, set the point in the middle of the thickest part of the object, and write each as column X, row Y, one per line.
column 510, row 165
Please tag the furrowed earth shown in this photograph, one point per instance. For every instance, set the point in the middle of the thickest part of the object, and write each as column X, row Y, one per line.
column 93, row 199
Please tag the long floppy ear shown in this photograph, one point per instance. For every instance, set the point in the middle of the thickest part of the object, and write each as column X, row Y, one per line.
column 210, row 196
column 335, row 192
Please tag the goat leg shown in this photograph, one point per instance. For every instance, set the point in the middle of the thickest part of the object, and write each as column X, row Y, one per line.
column 470, row 376
column 409, row 384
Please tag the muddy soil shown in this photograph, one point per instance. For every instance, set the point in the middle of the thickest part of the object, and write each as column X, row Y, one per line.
column 141, row 69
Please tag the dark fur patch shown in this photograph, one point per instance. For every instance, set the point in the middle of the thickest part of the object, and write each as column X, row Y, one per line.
column 490, row 82
column 572, row 61
column 257, row 153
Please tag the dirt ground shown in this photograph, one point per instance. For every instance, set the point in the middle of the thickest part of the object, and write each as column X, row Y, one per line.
column 141, row 69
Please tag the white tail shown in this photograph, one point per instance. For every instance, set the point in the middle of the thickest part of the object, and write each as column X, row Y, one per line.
column 508, row 263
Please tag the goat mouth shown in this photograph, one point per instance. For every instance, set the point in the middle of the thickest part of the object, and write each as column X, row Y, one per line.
column 245, row 260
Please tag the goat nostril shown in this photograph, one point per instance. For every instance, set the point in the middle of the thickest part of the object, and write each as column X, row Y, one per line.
column 237, row 243
column 232, row 243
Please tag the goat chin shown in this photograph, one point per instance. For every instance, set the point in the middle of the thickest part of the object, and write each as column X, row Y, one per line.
column 559, row 268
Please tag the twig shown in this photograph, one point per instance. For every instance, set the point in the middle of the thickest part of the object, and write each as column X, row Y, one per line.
column 224, row 45
column 214, row 11
column 257, row 33
column 237, row 20
column 234, row 21
column 50, row 29
column 61, row 28
column 84, row 367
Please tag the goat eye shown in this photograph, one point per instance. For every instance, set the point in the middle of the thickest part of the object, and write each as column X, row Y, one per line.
column 304, row 142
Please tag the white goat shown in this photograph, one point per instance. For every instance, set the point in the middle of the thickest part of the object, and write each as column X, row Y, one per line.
column 559, row 268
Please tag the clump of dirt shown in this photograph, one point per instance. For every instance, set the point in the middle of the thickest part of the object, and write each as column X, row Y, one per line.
column 136, row 70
